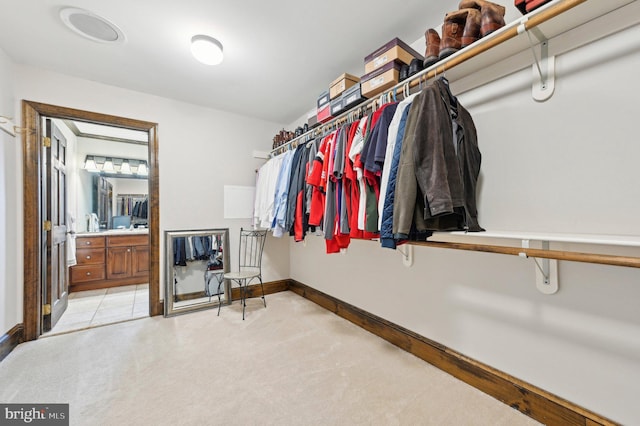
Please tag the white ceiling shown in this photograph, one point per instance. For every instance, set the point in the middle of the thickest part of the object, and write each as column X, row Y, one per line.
column 279, row 54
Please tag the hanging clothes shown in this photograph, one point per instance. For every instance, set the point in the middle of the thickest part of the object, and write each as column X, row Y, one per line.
column 334, row 239
column 376, row 138
column 390, row 172
column 266, row 180
column 439, row 166
column 297, row 216
column 281, row 194
column 398, row 174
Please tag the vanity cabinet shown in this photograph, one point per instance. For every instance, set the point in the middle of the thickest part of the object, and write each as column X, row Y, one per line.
column 109, row 261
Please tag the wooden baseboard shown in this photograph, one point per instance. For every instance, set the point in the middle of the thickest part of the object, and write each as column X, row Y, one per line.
column 9, row 341
column 254, row 290
column 536, row 403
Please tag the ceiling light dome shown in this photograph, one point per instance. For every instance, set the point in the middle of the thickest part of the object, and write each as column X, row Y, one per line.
column 91, row 26
column 207, row 49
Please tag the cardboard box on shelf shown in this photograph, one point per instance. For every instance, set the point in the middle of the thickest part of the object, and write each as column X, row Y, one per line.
column 323, row 99
column 312, row 118
column 394, row 50
column 341, row 84
column 337, row 106
column 324, row 113
column 381, row 79
column 352, row 96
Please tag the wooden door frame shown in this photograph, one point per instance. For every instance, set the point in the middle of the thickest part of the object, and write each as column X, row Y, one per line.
column 32, row 134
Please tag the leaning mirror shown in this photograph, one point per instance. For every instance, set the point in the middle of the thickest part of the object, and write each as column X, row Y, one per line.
column 196, row 263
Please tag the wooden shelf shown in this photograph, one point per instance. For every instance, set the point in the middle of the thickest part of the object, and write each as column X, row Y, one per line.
column 591, row 20
column 547, row 22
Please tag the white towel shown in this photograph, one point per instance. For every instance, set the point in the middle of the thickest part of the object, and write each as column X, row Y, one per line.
column 71, row 239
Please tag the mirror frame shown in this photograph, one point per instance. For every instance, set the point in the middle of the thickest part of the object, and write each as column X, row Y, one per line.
column 169, row 304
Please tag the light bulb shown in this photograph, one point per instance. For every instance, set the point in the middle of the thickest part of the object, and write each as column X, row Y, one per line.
column 90, row 164
column 142, row 169
column 108, row 165
column 125, row 168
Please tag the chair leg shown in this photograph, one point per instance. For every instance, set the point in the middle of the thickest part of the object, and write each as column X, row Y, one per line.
column 207, row 285
column 262, row 287
column 219, row 300
column 244, row 299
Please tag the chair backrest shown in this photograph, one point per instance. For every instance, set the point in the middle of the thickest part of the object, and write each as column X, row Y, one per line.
column 120, row 221
column 251, row 247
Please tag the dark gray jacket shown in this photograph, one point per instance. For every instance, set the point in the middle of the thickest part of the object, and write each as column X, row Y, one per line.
column 437, row 188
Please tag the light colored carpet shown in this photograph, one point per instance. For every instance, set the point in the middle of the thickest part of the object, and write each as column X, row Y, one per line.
column 292, row 363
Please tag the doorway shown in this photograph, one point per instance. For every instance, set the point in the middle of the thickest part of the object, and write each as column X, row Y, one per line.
column 34, row 224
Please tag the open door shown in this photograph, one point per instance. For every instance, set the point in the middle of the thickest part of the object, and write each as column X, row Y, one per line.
column 55, row 282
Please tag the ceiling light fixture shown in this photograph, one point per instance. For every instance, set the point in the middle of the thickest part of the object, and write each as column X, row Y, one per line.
column 207, row 49
column 91, row 26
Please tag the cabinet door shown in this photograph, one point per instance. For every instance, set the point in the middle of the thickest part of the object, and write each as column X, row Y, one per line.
column 118, row 262
column 140, row 261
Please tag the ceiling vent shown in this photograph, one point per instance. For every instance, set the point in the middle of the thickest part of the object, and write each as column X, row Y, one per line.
column 91, row 26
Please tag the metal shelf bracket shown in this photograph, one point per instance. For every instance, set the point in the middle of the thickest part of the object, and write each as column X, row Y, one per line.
column 546, row 270
column 544, row 69
column 407, row 254
column 544, row 72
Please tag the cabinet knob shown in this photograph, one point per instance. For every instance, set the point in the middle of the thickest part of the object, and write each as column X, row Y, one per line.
column 88, row 273
column 128, row 250
column 88, row 257
column 88, row 243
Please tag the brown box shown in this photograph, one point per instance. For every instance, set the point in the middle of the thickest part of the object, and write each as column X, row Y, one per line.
column 380, row 79
column 395, row 50
column 341, row 84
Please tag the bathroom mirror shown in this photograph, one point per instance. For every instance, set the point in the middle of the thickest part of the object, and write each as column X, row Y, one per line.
column 195, row 266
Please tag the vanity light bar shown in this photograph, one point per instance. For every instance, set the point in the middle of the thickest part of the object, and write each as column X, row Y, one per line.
column 115, row 165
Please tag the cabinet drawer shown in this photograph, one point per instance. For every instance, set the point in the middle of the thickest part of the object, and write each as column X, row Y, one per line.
column 92, row 256
column 87, row 273
column 127, row 240
column 89, row 242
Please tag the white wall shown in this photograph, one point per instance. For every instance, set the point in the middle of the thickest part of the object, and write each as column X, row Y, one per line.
column 566, row 165
column 200, row 151
column 10, row 202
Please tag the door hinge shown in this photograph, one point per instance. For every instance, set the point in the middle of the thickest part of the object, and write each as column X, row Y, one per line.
column 46, row 309
column 46, row 142
column 46, row 225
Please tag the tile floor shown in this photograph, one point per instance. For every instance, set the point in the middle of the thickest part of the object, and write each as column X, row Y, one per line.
column 94, row 308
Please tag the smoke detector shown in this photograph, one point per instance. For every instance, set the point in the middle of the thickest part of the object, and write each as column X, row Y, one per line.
column 91, row 26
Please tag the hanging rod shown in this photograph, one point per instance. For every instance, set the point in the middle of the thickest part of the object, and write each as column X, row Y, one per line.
column 602, row 259
column 506, row 33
